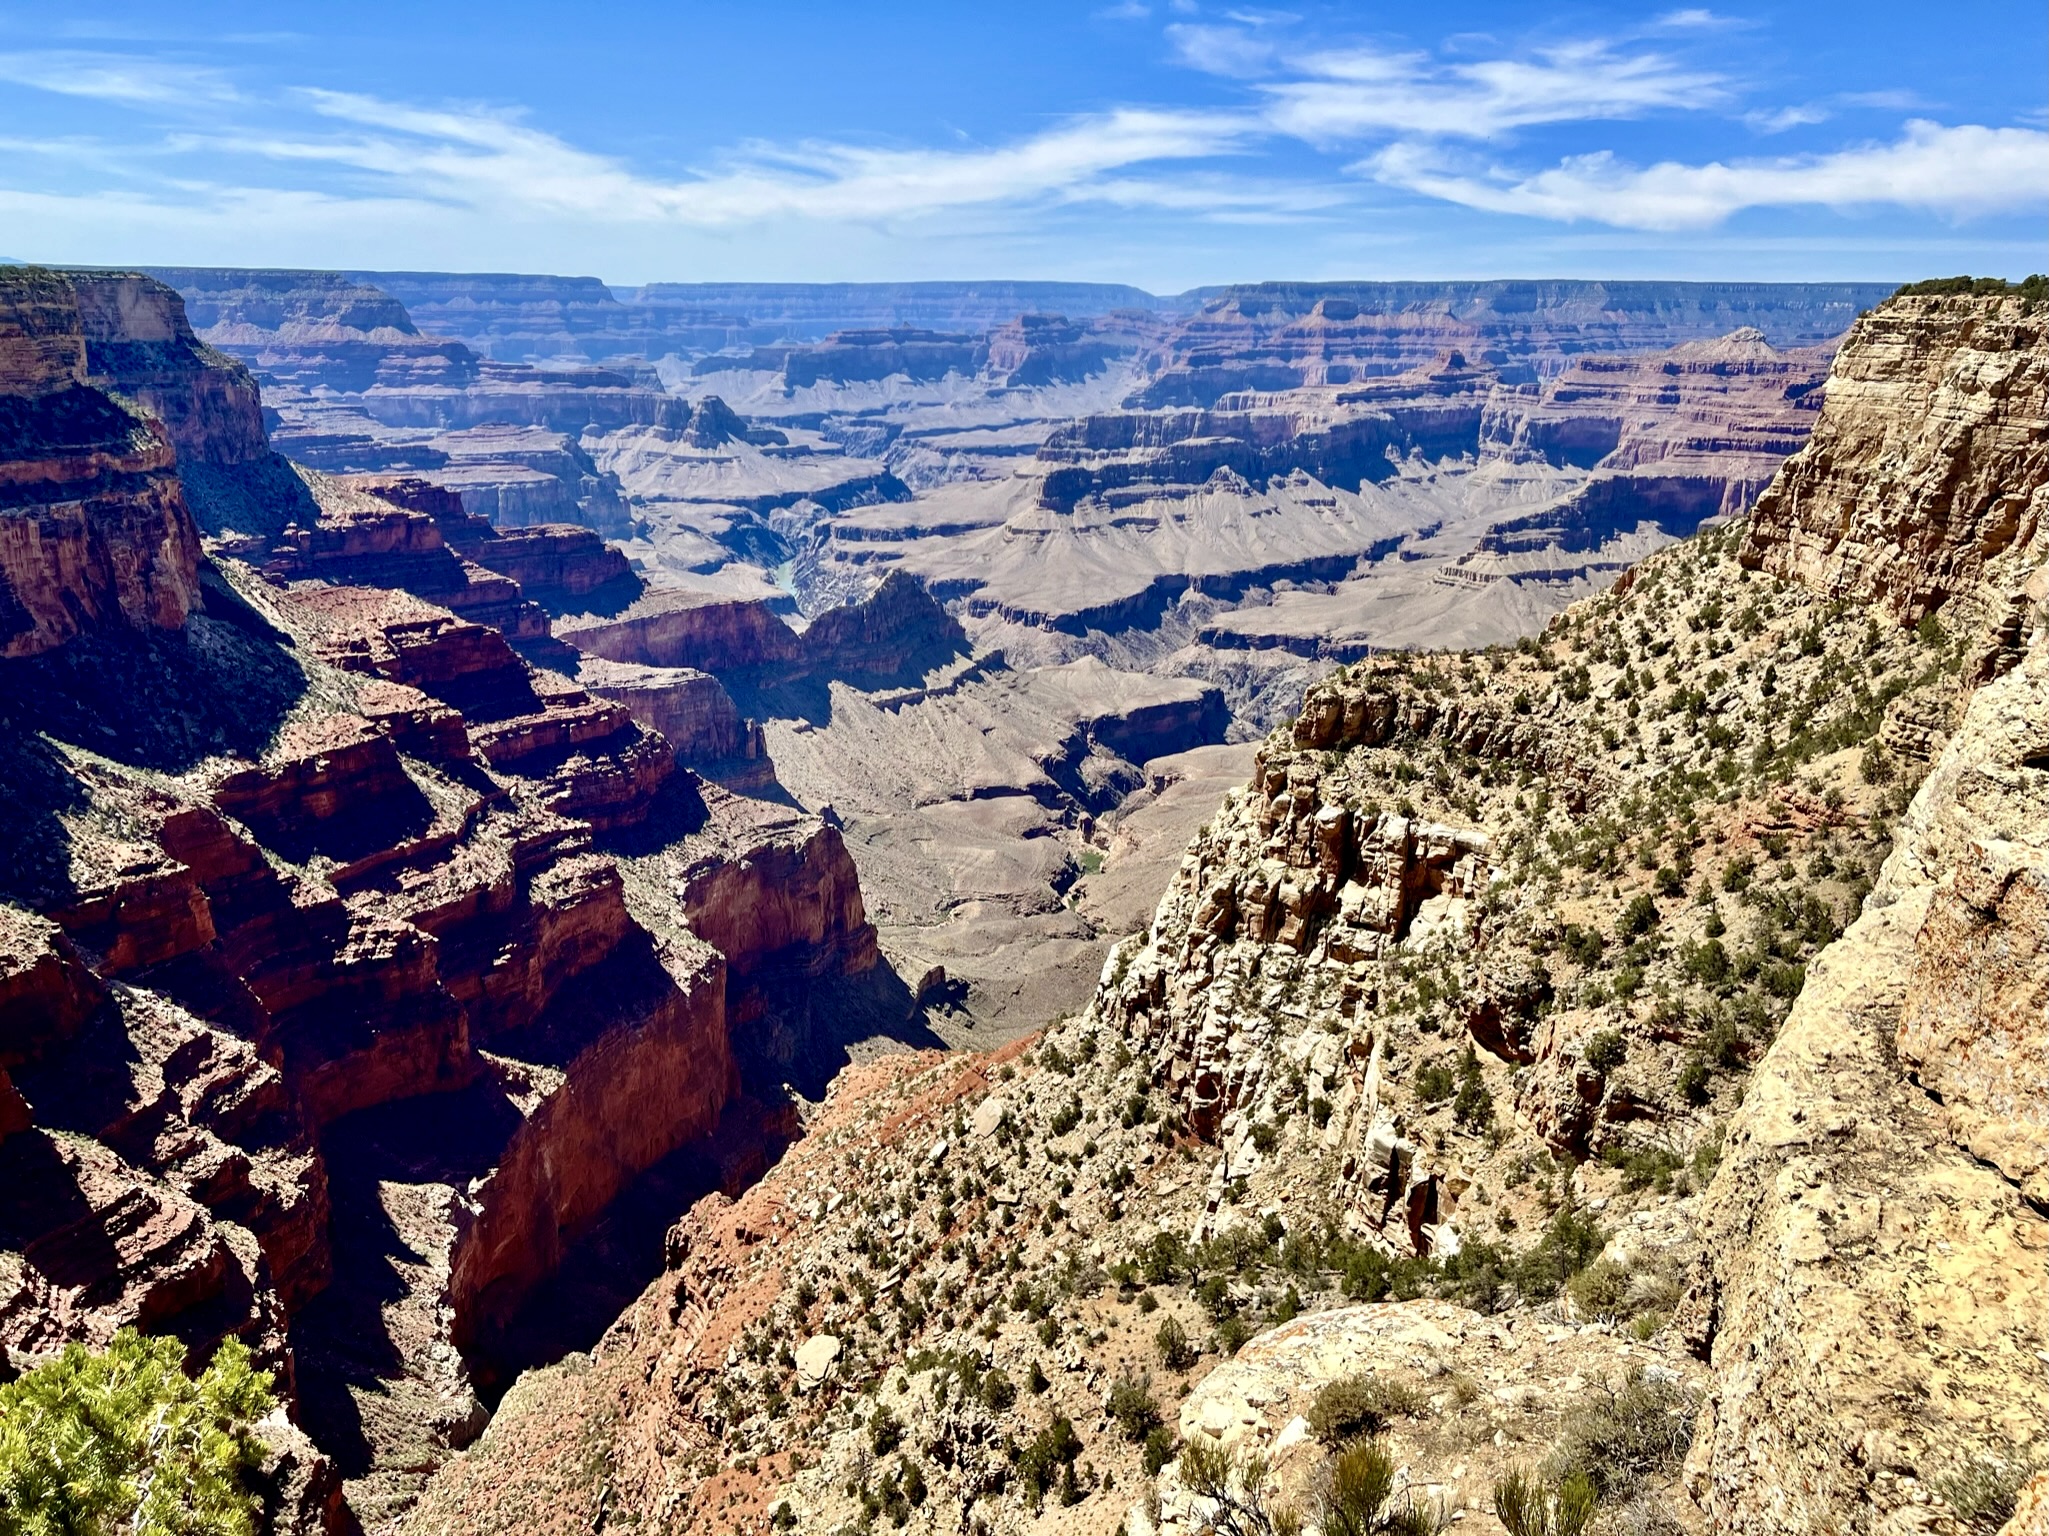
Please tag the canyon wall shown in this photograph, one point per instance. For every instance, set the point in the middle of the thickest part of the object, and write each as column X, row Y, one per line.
column 1278, row 336
column 320, row 922
column 93, row 523
column 1869, row 1149
column 1922, row 466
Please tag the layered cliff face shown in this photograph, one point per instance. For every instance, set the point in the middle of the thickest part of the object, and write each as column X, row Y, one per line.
column 1673, row 439
column 1512, row 998
column 139, row 341
column 1244, row 544
column 1273, row 336
column 328, row 917
column 1922, row 468
column 355, row 386
column 93, row 523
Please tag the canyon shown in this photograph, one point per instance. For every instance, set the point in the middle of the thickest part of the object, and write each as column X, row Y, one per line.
column 1381, row 465
column 719, row 907
column 1555, row 1051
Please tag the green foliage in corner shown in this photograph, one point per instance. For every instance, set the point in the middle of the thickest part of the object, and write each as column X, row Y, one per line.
column 2032, row 287
column 125, row 1441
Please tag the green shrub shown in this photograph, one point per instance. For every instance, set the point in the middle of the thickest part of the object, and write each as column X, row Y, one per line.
column 1162, row 1258
column 1569, row 1244
column 1526, row 1507
column 998, row 1391
column 1983, row 1493
column 1601, row 1290
column 1435, row 1082
column 1639, row 917
column 1361, row 1404
column 1237, row 1490
column 1360, row 1499
column 2034, row 286
column 1054, row 1447
column 1606, row 1050
column 1473, row 1107
column 1583, row 946
column 1232, row 1333
column 885, row 1431
column 1695, row 1080
column 1643, row 1167
column 1621, row 1440
column 1133, row 1406
column 1159, row 1449
column 1177, row 1353
column 94, row 1444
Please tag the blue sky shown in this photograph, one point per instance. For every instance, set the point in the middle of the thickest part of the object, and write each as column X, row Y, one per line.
column 1166, row 143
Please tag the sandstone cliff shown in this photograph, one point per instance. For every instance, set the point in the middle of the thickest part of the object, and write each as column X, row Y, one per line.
column 93, row 523
column 328, row 917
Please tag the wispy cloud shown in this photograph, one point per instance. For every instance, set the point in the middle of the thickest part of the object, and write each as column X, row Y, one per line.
column 489, row 159
column 1953, row 172
column 1233, row 52
column 116, row 77
column 1363, row 92
column 1694, row 19
column 1477, row 122
column 1779, row 119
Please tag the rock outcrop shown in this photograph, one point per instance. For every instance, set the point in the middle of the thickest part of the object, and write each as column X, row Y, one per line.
column 1873, row 1297
column 138, row 341
column 668, row 627
column 1922, row 466
column 1896, row 1129
column 93, row 523
column 694, row 711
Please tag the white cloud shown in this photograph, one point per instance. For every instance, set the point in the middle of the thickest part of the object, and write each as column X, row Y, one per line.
column 1230, row 51
column 1363, row 92
column 486, row 159
column 1953, row 172
column 1778, row 120
column 1692, row 19
column 115, row 77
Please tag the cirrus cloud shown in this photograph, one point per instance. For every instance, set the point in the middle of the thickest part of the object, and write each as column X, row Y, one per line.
column 1955, row 172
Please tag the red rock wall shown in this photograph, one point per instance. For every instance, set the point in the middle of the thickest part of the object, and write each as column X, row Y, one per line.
column 791, row 906
column 94, row 529
column 138, row 342
column 672, row 629
column 654, row 1075
column 692, row 709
